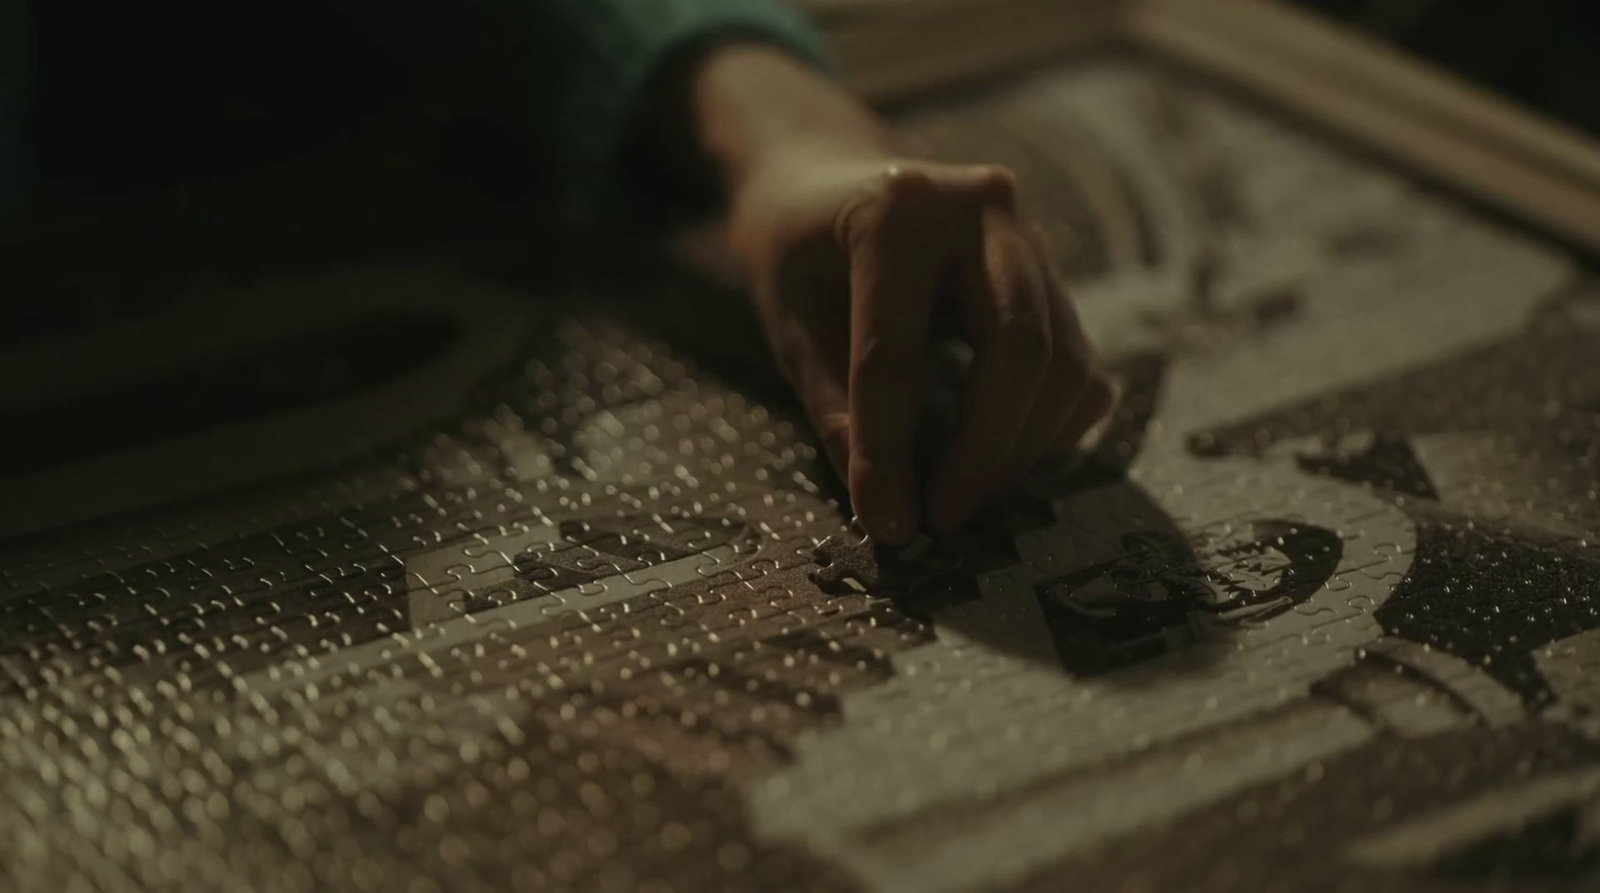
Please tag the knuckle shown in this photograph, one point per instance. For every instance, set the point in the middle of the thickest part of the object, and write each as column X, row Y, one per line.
column 906, row 183
column 999, row 184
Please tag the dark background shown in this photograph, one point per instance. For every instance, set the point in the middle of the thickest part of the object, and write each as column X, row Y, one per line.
column 1542, row 53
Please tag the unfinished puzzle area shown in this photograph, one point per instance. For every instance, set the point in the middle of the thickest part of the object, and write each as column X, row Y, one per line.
column 545, row 606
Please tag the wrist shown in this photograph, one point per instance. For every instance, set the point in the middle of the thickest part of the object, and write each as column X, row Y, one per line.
column 756, row 108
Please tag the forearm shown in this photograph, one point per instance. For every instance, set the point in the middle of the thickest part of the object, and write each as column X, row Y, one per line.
column 751, row 105
column 631, row 88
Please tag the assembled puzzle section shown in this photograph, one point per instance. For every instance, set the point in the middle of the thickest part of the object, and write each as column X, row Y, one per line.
column 1317, row 612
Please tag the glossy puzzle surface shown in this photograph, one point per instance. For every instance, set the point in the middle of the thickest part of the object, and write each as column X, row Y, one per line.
column 1319, row 614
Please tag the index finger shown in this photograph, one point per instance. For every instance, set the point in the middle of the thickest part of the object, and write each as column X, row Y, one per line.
column 895, row 265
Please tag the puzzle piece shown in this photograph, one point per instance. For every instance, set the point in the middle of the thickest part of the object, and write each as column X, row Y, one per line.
column 850, row 562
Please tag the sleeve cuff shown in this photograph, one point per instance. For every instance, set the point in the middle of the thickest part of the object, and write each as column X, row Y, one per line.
column 629, row 41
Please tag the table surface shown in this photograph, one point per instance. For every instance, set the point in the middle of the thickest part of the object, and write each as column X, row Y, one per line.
column 537, row 608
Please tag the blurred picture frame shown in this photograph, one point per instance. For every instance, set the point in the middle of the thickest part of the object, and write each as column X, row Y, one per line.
column 1442, row 129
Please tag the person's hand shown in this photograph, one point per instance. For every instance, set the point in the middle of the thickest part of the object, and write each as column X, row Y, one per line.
column 850, row 255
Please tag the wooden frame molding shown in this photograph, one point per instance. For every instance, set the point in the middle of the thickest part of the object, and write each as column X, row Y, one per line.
column 1438, row 125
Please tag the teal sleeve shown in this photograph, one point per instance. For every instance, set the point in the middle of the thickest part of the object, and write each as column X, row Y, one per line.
column 568, row 76
column 609, row 52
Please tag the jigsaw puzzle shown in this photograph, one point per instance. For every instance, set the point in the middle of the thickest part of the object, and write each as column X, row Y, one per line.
column 1321, row 612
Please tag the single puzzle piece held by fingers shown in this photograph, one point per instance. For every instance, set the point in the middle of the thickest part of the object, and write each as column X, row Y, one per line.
column 849, row 561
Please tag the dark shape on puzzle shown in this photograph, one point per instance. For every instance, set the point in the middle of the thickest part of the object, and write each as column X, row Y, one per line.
column 1386, row 462
column 1159, row 595
column 1494, row 599
column 849, row 561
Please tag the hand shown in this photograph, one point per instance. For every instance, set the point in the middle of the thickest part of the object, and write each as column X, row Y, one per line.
column 852, row 250
column 850, row 254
